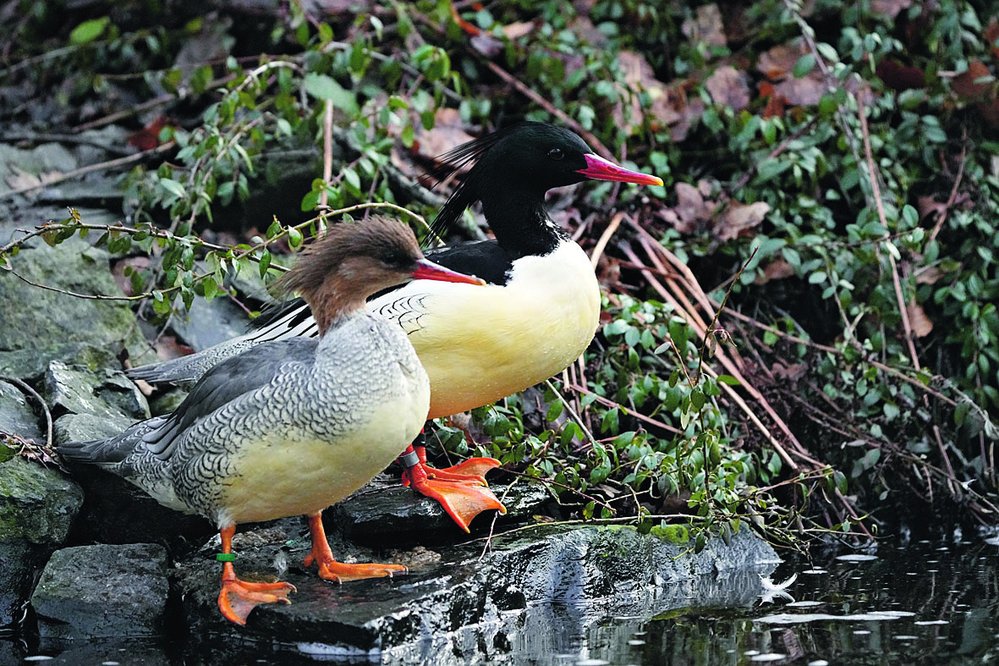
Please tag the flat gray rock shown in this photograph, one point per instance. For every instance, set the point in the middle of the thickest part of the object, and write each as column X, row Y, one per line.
column 103, row 591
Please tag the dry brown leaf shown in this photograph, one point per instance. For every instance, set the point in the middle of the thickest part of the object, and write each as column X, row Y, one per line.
column 927, row 205
column 921, row 324
column 778, row 269
column 778, row 62
column 519, row 29
column 929, row 275
column 670, row 106
column 691, row 209
column 706, row 26
column 728, row 86
column 965, row 84
column 448, row 133
column 802, row 92
column 889, row 8
column 792, row 372
column 738, row 219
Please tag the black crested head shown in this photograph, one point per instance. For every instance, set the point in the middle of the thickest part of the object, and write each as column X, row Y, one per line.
column 510, row 172
column 524, row 160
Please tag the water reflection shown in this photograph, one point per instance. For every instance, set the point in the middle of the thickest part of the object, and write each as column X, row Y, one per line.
column 917, row 603
column 922, row 603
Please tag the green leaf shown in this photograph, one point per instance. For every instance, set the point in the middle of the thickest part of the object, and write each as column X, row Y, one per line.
column 325, row 88
column 805, row 64
column 294, row 238
column 173, row 187
column 90, row 30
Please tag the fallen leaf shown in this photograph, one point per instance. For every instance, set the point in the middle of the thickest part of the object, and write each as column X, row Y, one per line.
column 792, row 372
column 486, row 44
column 778, row 269
column 691, row 208
column 927, row 205
column 929, row 275
column 966, row 84
column 889, row 8
column 728, row 86
column 148, row 137
column 921, row 324
column 705, row 26
column 519, row 29
column 778, row 62
column 447, row 133
column 670, row 107
column 738, row 219
column 801, row 92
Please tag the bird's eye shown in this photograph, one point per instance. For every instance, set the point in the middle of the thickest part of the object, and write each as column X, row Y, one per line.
column 556, row 154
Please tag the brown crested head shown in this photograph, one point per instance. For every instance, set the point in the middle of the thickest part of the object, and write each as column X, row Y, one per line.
column 339, row 271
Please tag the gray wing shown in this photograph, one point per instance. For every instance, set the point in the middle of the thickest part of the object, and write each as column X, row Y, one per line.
column 227, row 381
column 289, row 323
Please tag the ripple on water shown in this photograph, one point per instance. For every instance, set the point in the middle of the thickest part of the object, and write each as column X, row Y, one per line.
column 856, row 557
column 770, row 656
column 926, row 623
column 871, row 616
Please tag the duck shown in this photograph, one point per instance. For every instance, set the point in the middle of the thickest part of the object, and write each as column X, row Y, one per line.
column 291, row 426
column 537, row 314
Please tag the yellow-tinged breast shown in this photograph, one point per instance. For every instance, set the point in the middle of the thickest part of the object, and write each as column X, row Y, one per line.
column 292, row 473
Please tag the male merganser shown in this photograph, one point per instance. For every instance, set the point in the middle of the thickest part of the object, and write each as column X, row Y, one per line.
column 292, row 426
column 537, row 315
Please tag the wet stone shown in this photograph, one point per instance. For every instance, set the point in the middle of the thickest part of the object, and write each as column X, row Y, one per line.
column 37, row 507
column 477, row 600
column 385, row 511
column 103, row 590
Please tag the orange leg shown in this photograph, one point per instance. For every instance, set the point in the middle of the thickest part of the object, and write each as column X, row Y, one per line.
column 461, row 490
column 237, row 598
column 330, row 569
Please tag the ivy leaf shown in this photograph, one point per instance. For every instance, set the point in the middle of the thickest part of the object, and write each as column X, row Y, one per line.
column 325, row 88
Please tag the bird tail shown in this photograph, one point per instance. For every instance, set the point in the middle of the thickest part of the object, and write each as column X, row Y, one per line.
column 108, row 452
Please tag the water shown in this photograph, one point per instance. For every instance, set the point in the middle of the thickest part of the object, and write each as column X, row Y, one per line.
column 919, row 603
column 923, row 602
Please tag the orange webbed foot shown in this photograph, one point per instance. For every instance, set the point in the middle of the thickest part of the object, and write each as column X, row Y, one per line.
column 473, row 470
column 461, row 501
column 237, row 598
column 330, row 569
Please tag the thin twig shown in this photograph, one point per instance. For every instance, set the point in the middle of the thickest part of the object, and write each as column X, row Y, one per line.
column 90, row 168
column 598, row 249
column 45, row 408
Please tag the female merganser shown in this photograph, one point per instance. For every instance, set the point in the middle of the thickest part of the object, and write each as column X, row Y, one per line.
column 537, row 315
column 292, row 426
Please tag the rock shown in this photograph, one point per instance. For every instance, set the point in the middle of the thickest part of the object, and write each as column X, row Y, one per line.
column 479, row 601
column 41, row 326
column 105, row 393
column 210, row 322
column 103, row 591
column 384, row 511
column 16, row 415
column 167, row 401
column 84, row 427
column 37, row 507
